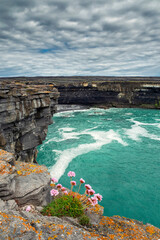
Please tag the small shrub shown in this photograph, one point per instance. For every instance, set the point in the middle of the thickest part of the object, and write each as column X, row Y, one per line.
column 64, row 206
column 84, row 220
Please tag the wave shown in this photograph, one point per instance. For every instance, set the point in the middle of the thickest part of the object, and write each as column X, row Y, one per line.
column 136, row 131
column 101, row 138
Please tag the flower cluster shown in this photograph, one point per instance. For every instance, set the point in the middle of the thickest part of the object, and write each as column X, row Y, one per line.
column 89, row 197
column 71, row 174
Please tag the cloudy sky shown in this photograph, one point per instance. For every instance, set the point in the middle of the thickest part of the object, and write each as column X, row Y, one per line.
column 79, row 37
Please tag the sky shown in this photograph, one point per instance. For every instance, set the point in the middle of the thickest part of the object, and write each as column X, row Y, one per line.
column 79, row 38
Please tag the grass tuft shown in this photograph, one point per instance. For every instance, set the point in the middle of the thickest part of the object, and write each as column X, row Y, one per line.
column 64, row 206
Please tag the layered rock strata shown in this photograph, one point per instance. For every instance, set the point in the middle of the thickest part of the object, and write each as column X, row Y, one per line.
column 25, row 112
column 111, row 93
column 141, row 92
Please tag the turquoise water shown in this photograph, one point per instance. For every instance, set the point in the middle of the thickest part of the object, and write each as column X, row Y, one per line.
column 116, row 151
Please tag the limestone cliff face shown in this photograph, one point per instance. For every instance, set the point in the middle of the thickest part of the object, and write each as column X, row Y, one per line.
column 142, row 93
column 26, row 110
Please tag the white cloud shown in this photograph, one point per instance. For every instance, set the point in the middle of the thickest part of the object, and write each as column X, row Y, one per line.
column 61, row 37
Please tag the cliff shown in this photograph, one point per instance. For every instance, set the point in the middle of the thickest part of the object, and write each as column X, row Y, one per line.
column 111, row 92
column 141, row 92
column 26, row 184
column 25, row 112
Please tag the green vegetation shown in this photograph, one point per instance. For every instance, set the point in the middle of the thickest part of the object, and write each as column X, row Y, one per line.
column 84, row 220
column 157, row 104
column 64, row 206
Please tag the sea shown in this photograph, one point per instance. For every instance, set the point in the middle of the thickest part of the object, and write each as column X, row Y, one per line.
column 116, row 151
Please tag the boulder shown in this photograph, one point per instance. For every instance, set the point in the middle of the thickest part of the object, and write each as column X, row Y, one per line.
column 33, row 189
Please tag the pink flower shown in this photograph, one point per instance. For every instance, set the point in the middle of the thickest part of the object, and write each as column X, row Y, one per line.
column 82, row 180
column 71, row 174
column 94, row 201
column 98, row 196
column 63, row 189
column 59, row 186
column 87, row 186
column 54, row 180
column 54, row 192
column 73, row 183
column 91, row 192
column 87, row 191
column 28, row 208
column 90, row 201
column 65, row 193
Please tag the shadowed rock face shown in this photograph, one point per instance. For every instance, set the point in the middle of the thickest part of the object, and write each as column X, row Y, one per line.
column 25, row 112
column 118, row 93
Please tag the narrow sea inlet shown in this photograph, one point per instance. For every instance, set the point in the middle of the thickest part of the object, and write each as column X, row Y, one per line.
column 116, row 151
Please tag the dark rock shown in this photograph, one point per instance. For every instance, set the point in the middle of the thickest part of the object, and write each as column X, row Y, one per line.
column 25, row 113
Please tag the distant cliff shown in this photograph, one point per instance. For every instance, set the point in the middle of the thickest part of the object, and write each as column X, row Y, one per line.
column 112, row 92
column 25, row 112
column 141, row 92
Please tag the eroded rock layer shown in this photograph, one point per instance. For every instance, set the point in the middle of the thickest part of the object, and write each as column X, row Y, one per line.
column 26, row 110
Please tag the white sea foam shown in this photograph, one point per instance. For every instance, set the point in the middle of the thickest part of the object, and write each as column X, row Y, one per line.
column 57, row 151
column 89, row 111
column 69, row 135
column 129, row 114
column 67, row 129
column 54, row 139
column 101, row 138
column 137, row 132
column 143, row 124
column 69, row 113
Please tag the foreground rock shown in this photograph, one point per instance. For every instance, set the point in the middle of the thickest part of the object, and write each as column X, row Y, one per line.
column 26, row 110
column 24, row 225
